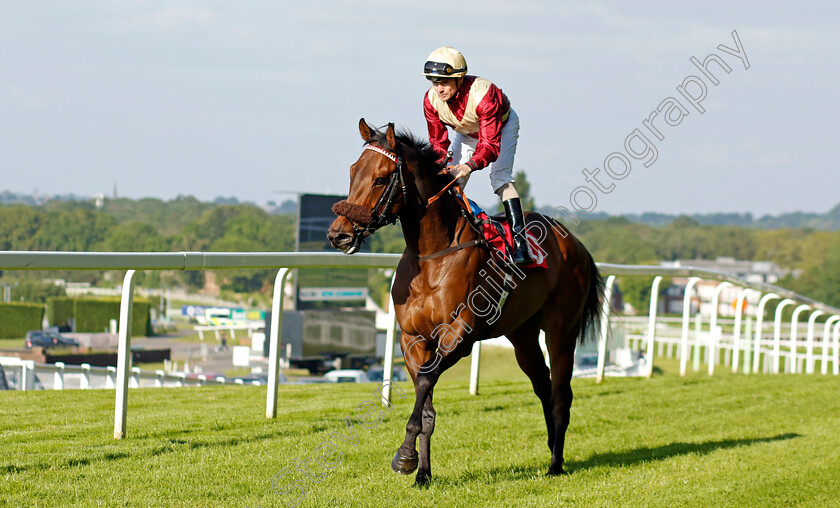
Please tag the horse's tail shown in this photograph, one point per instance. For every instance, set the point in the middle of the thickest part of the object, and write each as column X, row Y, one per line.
column 591, row 317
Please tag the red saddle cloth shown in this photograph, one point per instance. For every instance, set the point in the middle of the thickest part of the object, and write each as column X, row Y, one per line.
column 500, row 237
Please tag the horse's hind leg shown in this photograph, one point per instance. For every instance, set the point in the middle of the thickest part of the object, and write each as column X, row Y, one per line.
column 532, row 362
column 561, row 350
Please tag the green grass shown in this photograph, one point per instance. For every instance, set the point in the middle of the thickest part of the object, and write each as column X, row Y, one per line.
column 728, row 440
column 11, row 343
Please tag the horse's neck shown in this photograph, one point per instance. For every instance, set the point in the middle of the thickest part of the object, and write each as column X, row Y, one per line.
column 439, row 227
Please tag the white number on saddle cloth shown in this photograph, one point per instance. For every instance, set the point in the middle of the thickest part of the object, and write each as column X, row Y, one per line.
column 534, row 249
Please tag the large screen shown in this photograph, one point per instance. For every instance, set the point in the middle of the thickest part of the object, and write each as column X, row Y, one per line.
column 325, row 288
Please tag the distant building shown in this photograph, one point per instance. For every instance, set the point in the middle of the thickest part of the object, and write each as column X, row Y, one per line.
column 671, row 301
column 752, row 271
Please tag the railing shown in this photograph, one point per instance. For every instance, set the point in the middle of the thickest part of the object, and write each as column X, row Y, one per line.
column 755, row 347
column 26, row 372
column 249, row 328
column 285, row 261
column 132, row 261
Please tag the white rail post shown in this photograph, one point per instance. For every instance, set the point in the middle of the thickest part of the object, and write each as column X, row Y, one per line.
column 134, row 381
column 685, row 319
column 124, row 355
column 759, row 322
column 837, row 348
column 111, row 377
column 544, row 348
column 713, row 349
column 747, row 342
column 27, row 375
column 714, row 340
column 475, row 359
column 159, row 375
column 794, row 324
column 274, row 342
column 85, row 383
column 777, row 334
column 698, row 329
column 826, row 343
column 390, row 339
column 809, row 348
column 736, row 332
column 605, row 327
column 58, row 381
column 651, row 335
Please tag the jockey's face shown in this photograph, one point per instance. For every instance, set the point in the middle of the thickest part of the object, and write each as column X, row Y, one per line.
column 446, row 88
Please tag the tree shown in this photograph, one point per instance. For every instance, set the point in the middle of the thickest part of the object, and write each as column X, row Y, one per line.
column 77, row 229
column 18, row 226
column 523, row 187
column 135, row 237
column 821, row 277
column 30, row 291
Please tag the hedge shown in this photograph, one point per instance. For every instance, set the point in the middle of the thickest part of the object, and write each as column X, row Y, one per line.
column 18, row 318
column 95, row 314
column 60, row 310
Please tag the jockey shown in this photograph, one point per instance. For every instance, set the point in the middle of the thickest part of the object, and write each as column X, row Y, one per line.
column 486, row 129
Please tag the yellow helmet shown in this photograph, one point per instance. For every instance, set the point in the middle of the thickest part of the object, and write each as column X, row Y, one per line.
column 445, row 62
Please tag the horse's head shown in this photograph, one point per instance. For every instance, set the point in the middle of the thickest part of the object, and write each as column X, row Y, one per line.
column 377, row 190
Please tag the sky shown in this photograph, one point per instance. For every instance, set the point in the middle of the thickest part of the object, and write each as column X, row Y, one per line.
column 260, row 100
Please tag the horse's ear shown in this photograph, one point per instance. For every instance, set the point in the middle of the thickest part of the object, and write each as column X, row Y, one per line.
column 390, row 138
column 365, row 130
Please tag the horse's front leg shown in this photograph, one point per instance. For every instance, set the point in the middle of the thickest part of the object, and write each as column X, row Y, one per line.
column 406, row 459
column 422, row 420
column 424, row 474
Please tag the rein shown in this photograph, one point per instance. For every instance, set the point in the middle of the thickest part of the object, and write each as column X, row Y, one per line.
column 462, row 200
column 367, row 220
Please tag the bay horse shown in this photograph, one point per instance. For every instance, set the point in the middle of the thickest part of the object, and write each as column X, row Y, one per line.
column 448, row 286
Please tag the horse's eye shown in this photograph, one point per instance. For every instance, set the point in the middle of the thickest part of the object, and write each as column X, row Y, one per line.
column 380, row 181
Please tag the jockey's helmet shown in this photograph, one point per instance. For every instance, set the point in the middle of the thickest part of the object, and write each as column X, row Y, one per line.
column 445, row 62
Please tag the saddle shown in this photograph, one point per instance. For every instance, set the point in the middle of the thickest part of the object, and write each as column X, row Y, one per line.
column 499, row 237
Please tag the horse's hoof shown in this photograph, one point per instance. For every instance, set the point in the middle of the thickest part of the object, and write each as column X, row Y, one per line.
column 555, row 471
column 404, row 465
column 422, row 480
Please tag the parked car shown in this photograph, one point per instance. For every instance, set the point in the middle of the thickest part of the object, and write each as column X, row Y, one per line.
column 375, row 374
column 346, row 376
column 45, row 339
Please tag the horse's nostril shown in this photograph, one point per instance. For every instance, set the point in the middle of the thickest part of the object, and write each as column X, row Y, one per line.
column 339, row 238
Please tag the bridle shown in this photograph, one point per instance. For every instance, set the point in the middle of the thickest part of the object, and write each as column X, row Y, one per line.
column 382, row 213
column 369, row 220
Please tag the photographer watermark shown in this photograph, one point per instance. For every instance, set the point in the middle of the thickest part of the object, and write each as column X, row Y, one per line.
column 293, row 483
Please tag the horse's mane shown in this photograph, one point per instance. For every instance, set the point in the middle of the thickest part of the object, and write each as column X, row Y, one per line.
column 425, row 153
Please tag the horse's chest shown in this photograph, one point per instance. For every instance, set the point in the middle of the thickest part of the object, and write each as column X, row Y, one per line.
column 425, row 308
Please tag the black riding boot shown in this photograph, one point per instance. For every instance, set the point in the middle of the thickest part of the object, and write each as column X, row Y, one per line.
column 513, row 211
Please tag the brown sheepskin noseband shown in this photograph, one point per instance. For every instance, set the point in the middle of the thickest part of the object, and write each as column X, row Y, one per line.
column 356, row 213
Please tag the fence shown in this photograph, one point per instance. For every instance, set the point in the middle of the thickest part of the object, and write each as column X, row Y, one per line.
column 751, row 349
column 25, row 373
